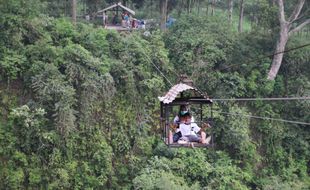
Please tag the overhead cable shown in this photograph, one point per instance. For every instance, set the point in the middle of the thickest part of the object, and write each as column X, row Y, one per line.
column 262, row 99
column 161, row 73
column 265, row 118
column 158, row 69
column 257, row 59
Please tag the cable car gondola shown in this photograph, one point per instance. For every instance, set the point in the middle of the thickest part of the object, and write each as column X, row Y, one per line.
column 184, row 94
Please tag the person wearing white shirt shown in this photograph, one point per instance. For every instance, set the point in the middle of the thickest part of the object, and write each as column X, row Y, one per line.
column 186, row 130
column 189, row 130
column 176, row 122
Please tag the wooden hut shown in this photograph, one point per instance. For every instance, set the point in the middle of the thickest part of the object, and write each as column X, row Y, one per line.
column 114, row 17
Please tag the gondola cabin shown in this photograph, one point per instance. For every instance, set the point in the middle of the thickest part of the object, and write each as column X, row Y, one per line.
column 185, row 115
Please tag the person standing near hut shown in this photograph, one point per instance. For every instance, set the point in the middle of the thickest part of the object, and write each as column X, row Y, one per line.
column 115, row 20
column 123, row 19
column 126, row 17
column 105, row 19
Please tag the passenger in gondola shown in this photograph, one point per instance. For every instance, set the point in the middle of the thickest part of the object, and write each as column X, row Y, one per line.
column 190, row 130
column 186, row 130
column 176, row 122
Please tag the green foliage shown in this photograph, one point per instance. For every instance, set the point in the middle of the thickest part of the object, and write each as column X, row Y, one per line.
column 267, row 15
column 22, row 8
column 50, row 86
column 236, row 133
column 27, row 126
column 95, row 41
column 160, row 180
column 63, row 31
column 195, row 41
column 15, row 179
column 276, row 183
column 157, row 175
column 11, row 65
column 193, row 165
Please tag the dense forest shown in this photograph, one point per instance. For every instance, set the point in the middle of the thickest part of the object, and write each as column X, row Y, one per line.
column 79, row 104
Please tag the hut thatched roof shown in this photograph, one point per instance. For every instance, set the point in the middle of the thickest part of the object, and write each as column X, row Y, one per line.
column 118, row 5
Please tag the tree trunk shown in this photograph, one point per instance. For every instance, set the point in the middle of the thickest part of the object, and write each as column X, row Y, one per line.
column 207, row 11
column 125, row 3
column 230, row 10
column 198, row 7
column 213, row 8
column 180, row 8
column 189, row 2
column 240, row 25
column 84, row 7
column 285, row 32
column 277, row 58
column 151, row 5
column 163, row 13
column 73, row 11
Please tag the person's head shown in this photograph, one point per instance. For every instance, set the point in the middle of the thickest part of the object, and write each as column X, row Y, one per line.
column 183, row 109
column 185, row 117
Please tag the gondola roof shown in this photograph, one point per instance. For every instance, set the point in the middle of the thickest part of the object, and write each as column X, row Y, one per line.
column 172, row 94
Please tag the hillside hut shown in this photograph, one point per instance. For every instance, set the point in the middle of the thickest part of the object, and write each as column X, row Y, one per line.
column 117, row 17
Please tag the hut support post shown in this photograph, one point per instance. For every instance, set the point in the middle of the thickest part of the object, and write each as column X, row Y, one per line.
column 167, row 124
column 162, row 124
column 212, row 133
column 201, row 116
